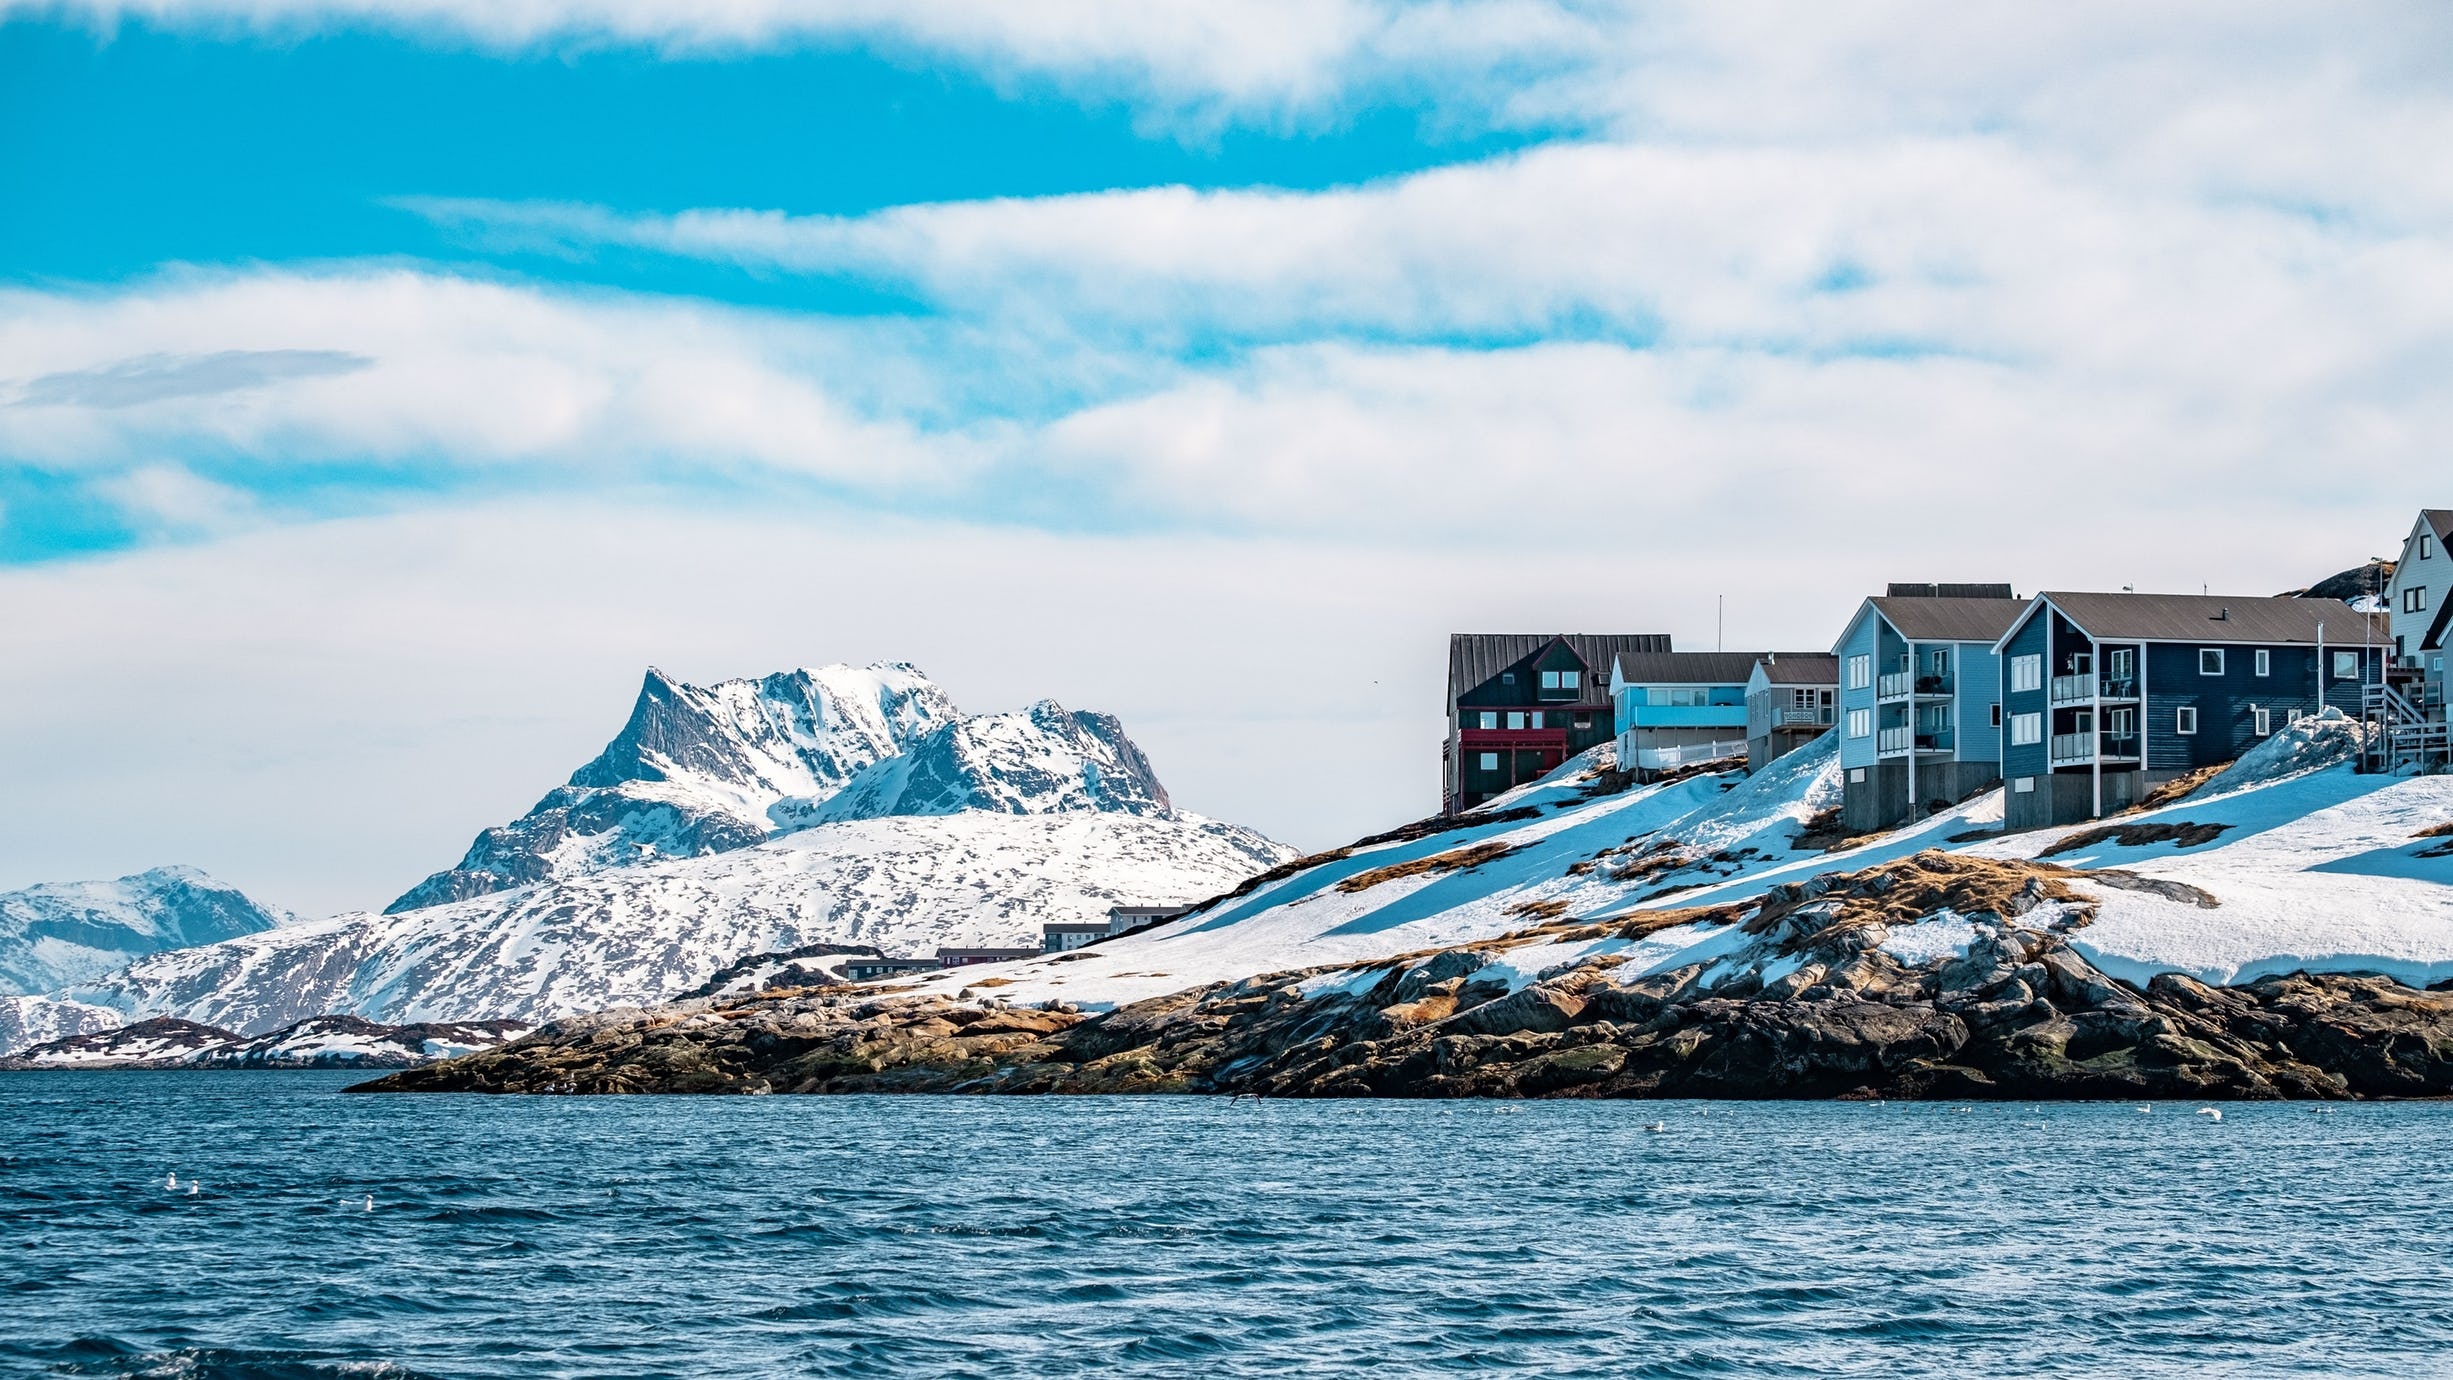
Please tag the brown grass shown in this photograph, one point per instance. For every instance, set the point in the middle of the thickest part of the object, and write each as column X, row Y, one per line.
column 2138, row 836
column 2436, row 831
column 2177, row 788
column 1920, row 885
column 1539, row 910
column 1456, row 860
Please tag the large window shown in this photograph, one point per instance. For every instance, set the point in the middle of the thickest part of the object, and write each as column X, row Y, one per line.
column 1860, row 671
column 2210, row 661
column 2184, row 719
column 2026, row 729
column 1860, row 723
column 2027, row 672
column 1681, row 696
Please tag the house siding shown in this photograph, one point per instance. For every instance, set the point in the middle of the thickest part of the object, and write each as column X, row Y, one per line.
column 1980, row 688
column 1859, row 641
column 2030, row 759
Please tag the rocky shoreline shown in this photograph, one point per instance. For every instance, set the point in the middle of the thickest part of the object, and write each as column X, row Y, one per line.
column 1808, row 997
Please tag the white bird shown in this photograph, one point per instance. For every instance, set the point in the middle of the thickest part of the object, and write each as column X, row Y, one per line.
column 2144, row 1110
column 370, row 1202
column 173, row 1182
column 2211, row 1112
column 1658, row 1127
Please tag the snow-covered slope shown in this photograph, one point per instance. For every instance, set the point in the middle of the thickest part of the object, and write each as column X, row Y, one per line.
column 703, row 769
column 64, row 932
column 1042, row 760
column 323, row 1042
column 36, row 1020
column 650, row 933
column 2314, row 867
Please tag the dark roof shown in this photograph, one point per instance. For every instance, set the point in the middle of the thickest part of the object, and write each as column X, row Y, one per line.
column 1900, row 591
column 1802, row 668
column 2434, row 639
column 1477, row 657
column 1950, row 620
column 2440, row 520
column 1688, row 668
column 2193, row 618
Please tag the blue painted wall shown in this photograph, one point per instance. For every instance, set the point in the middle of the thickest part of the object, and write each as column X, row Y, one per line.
column 2029, row 760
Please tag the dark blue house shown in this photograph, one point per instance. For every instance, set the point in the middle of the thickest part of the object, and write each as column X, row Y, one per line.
column 2106, row 695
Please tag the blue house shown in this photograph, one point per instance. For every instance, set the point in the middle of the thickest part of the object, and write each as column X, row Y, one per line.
column 2107, row 695
column 1673, row 708
column 1920, row 700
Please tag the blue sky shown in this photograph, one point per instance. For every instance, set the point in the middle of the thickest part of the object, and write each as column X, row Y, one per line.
column 385, row 383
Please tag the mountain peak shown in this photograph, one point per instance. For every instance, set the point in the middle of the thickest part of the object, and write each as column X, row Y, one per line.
column 1046, row 759
column 60, row 933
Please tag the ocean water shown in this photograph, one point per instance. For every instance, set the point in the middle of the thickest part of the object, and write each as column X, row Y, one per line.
column 1179, row 1237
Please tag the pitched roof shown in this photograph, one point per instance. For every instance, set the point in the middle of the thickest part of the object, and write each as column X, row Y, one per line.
column 1476, row 657
column 1687, row 668
column 2439, row 521
column 1801, row 668
column 1950, row 620
column 2434, row 639
column 2216, row 618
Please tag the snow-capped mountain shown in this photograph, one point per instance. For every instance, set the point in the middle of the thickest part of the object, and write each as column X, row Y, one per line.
column 702, row 769
column 1044, row 760
column 37, row 1020
column 651, row 933
column 66, row 932
column 323, row 1042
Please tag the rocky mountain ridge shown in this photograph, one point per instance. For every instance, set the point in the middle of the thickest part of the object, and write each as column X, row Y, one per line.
column 320, row 1042
column 61, row 933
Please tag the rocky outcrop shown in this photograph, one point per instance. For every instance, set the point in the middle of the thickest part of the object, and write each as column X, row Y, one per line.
column 1815, row 993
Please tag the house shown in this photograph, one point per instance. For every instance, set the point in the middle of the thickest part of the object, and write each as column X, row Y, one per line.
column 1123, row 920
column 964, row 958
column 1792, row 698
column 2106, row 695
column 2421, row 588
column 1920, row 700
column 869, row 966
column 1672, row 708
column 1520, row 704
column 1064, row 936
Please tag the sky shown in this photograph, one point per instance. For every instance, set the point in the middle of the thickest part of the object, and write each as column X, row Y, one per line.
column 386, row 384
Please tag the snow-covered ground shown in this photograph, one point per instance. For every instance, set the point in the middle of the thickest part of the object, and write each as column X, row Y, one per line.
column 63, row 932
column 650, row 933
column 2318, row 868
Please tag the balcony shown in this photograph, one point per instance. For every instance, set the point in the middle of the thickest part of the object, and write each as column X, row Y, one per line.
column 1801, row 718
column 1894, row 742
column 2089, row 687
column 2081, row 749
column 1510, row 739
column 1899, row 685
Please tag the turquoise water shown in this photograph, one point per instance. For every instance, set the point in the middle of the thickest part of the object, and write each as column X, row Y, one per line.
column 1096, row 1236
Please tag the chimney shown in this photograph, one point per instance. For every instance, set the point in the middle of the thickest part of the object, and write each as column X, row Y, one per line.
column 2223, row 615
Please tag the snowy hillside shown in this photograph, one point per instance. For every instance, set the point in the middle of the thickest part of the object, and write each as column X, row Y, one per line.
column 323, row 1042
column 649, row 933
column 2308, row 865
column 64, row 932
column 701, row 770
column 28, row 1021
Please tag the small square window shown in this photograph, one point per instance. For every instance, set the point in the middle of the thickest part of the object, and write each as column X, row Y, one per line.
column 1490, row 718
column 2210, row 661
column 2184, row 719
column 2346, row 665
column 1490, row 761
column 2027, row 672
column 1550, row 680
column 1571, row 680
column 1856, row 776
column 2265, row 662
column 1516, row 721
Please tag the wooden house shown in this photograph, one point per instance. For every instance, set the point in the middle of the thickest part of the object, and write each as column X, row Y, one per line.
column 1520, row 704
column 1920, row 700
column 1792, row 698
column 1677, row 708
column 2106, row 695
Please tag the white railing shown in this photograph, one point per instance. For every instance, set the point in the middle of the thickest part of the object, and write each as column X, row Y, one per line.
column 1784, row 718
column 2073, row 747
column 1893, row 684
column 2069, row 688
column 1655, row 759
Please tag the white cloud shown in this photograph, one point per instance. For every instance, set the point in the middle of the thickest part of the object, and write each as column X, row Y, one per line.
column 168, row 500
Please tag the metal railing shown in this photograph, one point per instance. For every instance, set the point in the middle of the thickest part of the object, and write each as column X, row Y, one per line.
column 1791, row 717
column 1890, row 740
column 2068, row 688
column 1892, row 685
column 2081, row 689
column 2072, row 749
column 1655, row 759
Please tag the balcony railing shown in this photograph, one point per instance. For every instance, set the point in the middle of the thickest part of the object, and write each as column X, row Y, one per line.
column 2078, row 749
column 1662, row 758
column 1888, row 741
column 1892, row 685
column 1794, row 718
column 2082, row 689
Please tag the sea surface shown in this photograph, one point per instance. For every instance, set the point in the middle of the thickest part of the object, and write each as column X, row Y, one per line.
column 787, row 1236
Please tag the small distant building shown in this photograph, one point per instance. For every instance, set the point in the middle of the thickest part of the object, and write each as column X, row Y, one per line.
column 1792, row 698
column 964, row 958
column 1124, row 920
column 1519, row 704
column 1064, row 936
column 1676, row 708
column 2107, row 695
column 866, row 967
column 1920, row 700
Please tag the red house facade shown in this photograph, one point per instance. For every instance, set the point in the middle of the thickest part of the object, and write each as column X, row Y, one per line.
column 1519, row 704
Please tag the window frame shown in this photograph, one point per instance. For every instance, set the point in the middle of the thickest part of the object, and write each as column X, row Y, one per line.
column 2261, row 720
column 1860, row 723
column 2414, row 599
column 1860, row 670
column 2219, row 660
column 2027, row 673
column 1997, row 716
column 1489, row 722
column 2184, row 720
column 1490, row 761
column 2262, row 662
column 2351, row 658
column 2026, row 730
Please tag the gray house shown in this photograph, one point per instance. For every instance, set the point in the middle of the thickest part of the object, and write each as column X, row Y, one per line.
column 1920, row 700
column 1792, row 698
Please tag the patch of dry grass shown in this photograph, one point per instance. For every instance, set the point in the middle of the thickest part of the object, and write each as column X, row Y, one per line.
column 1456, row 860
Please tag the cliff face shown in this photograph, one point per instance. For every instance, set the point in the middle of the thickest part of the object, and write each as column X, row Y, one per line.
column 1932, row 977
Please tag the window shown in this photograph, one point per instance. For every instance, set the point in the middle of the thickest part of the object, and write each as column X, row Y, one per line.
column 2025, row 785
column 2124, row 661
column 1997, row 716
column 1584, row 721
column 2427, row 547
column 2210, row 661
column 1856, row 776
column 2026, row 729
column 1537, row 718
column 2184, row 719
column 1860, row 671
column 2346, row 665
column 1860, row 723
column 1937, row 661
column 2027, row 672
column 1516, row 720
column 1550, row 680
column 1571, row 680
column 2082, row 663
column 1490, row 761
column 1490, row 718
column 1681, row 696
column 2263, row 718
column 2414, row 599
column 2265, row 662
column 1507, row 677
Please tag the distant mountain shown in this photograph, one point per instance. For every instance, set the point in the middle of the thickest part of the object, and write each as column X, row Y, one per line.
column 1044, row 760
column 34, row 1020
column 701, row 770
column 66, row 932
column 320, row 1043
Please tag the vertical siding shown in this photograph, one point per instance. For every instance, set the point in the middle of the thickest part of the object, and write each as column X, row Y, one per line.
column 2030, row 759
column 2225, row 704
column 1858, row 752
column 1980, row 688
